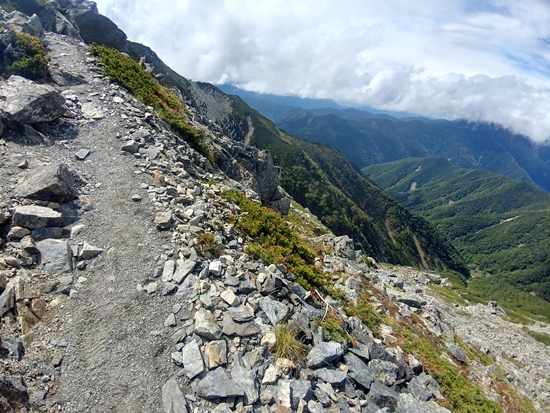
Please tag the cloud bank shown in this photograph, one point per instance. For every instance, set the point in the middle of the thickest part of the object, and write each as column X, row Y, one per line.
column 478, row 60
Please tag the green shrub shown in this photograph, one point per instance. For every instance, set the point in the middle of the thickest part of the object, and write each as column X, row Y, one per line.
column 366, row 313
column 128, row 73
column 274, row 242
column 34, row 65
column 462, row 395
column 208, row 245
column 333, row 328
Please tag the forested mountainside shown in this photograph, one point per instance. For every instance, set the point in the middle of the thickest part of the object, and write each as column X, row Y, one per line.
column 501, row 225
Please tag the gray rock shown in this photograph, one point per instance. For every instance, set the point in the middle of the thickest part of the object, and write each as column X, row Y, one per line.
column 170, row 321
column 17, row 232
column 458, row 353
column 246, row 329
column 130, row 146
column 377, row 351
column 274, row 310
column 36, row 217
column 418, row 390
column 55, row 255
column 241, row 314
column 189, row 289
column 184, row 270
column 14, row 347
column 300, row 390
column 82, row 154
column 334, row 377
column 247, row 380
column 7, row 298
column 47, row 232
column 24, row 102
column 173, row 399
column 168, row 270
column 163, row 220
column 206, row 326
column 216, row 352
column 215, row 268
column 314, row 407
column 87, row 252
column 53, row 183
column 358, row 370
column 384, row 371
column 407, row 404
column 324, row 354
column 192, row 359
column 216, row 384
column 91, row 111
column 14, row 391
column 383, row 396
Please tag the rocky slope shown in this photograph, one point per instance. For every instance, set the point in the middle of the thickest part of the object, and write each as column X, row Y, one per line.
column 110, row 299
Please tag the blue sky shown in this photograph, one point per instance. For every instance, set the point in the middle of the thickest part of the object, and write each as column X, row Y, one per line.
column 477, row 60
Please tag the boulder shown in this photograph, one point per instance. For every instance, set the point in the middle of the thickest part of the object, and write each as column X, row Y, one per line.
column 35, row 217
column 54, row 183
column 24, row 102
column 55, row 255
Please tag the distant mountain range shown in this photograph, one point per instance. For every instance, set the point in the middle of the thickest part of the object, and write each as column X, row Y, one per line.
column 366, row 138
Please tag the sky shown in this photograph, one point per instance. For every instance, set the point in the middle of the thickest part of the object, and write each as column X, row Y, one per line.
column 471, row 59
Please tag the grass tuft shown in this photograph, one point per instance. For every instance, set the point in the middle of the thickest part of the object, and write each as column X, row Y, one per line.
column 287, row 345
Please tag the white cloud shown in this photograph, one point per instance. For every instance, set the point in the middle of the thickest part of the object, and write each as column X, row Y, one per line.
column 478, row 60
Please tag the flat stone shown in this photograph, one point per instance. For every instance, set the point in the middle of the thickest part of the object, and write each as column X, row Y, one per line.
column 458, row 353
column 216, row 384
column 17, row 232
column 334, row 377
column 241, row 314
column 173, row 399
column 192, row 359
column 247, row 380
column 82, row 154
column 55, row 255
column 271, row 375
column 206, row 325
column 91, row 111
column 408, row 404
column 183, row 270
column 216, row 351
column 52, row 183
column 168, row 270
column 246, row 329
column 88, row 251
column 35, row 217
column 274, row 310
column 324, row 354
